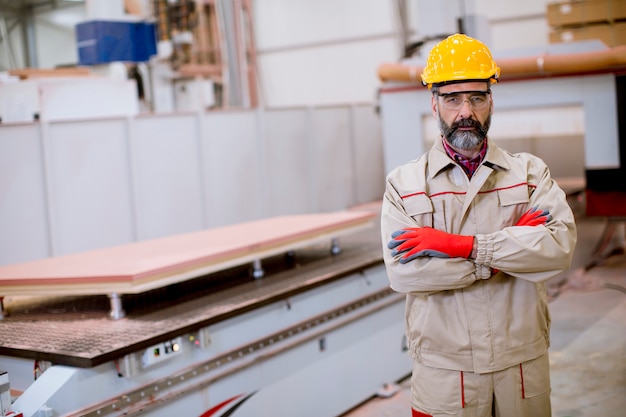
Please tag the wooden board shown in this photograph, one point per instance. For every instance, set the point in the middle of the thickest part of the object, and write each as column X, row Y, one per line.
column 579, row 12
column 146, row 265
column 611, row 34
column 27, row 73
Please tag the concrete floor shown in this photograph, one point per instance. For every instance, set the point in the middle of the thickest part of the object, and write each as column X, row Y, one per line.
column 588, row 333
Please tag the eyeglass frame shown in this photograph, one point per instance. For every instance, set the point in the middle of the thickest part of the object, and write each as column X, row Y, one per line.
column 463, row 93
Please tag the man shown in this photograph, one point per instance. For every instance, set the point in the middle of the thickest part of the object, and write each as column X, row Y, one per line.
column 471, row 233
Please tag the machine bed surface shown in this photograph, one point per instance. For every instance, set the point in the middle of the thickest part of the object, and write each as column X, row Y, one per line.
column 77, row 330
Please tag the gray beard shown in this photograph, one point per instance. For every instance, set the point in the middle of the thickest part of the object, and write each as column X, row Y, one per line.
column 463, row 139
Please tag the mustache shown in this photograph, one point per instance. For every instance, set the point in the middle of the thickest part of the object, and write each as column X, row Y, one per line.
column 466, row 123
column 469, row 123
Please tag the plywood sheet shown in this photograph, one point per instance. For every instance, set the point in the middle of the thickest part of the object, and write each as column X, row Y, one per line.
column 150, row 264
column 577, row 12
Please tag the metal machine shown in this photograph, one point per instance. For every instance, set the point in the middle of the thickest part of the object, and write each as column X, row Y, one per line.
column 318, row 333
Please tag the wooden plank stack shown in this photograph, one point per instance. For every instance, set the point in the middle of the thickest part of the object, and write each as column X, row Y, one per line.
column 578, row 20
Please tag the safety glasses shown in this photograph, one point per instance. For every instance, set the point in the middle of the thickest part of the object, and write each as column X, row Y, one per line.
column 477, row 100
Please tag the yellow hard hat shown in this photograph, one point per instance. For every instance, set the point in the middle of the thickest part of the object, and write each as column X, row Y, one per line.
column 459, row 58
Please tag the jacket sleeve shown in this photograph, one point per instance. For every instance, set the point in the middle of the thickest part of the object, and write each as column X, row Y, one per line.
column 534, row 253
column 424, row 274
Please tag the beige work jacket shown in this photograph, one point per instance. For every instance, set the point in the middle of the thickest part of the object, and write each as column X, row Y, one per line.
column 460, row 315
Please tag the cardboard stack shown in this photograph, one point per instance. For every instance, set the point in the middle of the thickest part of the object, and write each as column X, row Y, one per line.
column 578, row 20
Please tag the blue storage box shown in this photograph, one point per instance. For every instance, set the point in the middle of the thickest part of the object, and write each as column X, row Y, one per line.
column 101, row 42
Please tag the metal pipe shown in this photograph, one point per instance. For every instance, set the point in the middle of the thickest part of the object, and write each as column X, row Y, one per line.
column 542, row 65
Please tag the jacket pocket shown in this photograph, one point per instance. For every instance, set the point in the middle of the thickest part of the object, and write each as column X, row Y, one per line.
column 513, row 203
column 535, row 376
column 420, row 208
column 436, row 391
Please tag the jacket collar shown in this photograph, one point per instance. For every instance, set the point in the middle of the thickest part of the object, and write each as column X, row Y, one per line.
column 439, row 160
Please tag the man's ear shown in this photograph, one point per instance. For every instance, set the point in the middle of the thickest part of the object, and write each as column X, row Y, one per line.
column 433, row 104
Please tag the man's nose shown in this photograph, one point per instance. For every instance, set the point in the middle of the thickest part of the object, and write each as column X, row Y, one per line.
column 466, row 108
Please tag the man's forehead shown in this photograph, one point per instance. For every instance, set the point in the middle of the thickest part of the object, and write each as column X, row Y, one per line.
column 469, row 86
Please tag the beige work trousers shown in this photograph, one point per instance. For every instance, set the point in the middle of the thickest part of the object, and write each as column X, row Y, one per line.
column 519, row 391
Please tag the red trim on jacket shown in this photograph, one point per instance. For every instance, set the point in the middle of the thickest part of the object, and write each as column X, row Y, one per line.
column 415, row 413
column 462, row 391
column 521, row 184
column 521, row 374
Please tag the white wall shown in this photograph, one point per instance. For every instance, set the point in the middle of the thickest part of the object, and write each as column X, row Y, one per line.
column 55, row 39
column 515, row 24
column 68, row 186
column 323, row 51
column 328, row 51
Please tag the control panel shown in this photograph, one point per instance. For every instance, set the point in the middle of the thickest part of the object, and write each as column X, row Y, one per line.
column 161, row 352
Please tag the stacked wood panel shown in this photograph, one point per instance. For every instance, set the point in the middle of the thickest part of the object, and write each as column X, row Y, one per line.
column 579, row 20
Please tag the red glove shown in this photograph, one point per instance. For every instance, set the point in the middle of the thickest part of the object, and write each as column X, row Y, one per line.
column 534, row 217
column 414, row 242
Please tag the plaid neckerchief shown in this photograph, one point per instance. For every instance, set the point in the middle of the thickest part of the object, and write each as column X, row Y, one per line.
column 469, row 165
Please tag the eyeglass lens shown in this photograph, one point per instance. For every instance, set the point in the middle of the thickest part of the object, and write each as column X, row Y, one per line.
column 454, row 101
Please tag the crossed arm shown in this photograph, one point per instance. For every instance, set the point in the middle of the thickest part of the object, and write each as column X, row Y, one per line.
column 413, row 242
